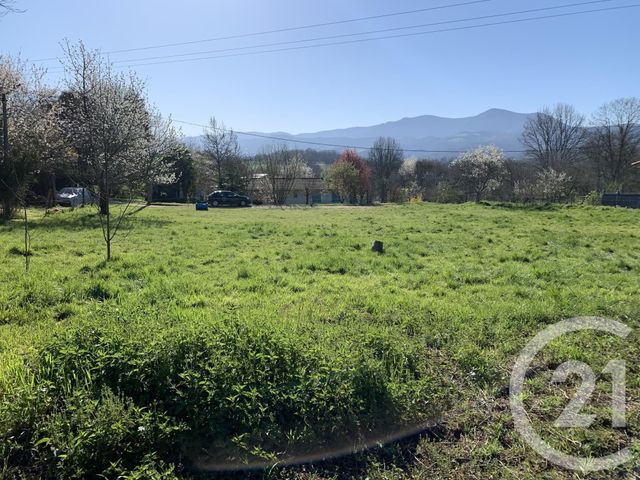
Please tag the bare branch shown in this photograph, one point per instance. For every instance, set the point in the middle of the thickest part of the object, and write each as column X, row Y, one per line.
column 554, row 137
column 385, row 160
column 614, row 143
column 8, row 6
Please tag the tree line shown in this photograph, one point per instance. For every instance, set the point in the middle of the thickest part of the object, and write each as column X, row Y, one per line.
column 564, row 156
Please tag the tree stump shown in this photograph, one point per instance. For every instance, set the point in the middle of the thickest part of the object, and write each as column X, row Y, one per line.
column 377, row 246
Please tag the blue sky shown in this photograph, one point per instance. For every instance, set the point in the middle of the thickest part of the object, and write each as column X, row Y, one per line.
column 584, row 60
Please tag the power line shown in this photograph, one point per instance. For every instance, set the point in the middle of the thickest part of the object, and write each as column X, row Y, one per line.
column 370, row 32
column 346, row 42
column 322, row 144
column 286, row 29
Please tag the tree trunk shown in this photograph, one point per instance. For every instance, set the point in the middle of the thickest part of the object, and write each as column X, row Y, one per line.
column 27, row 240
column 7, row 203
column 149, row 193
column 104, row 196
column 108, row 237
column 51, row 194
column 104, row 204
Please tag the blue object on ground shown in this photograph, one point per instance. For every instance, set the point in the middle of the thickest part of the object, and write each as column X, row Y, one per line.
column 202, row 206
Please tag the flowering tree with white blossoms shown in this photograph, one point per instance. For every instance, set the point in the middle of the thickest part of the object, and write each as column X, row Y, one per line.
column 552, row 185
column 154, row 165
column 480, row 171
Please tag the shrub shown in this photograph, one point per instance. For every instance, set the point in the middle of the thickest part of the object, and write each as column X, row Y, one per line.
column 101, row 291
column 593, row 198
column 109, row 398
column 86, row 436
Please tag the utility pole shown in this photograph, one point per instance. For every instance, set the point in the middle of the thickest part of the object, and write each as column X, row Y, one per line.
column 4, row 164
column 5, row 129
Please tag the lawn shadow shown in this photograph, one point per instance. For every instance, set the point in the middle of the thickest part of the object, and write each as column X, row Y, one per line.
column 400, row 451
column 73, row 222
column 528, row 207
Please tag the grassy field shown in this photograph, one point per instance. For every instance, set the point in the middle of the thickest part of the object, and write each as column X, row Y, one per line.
column 237, row 338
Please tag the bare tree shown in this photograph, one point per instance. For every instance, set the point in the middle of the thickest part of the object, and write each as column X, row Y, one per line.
column 615, row 141
column 203, row 183
column 385, row 160
column 221, row 146
column 429, row 174
column 554, row 137
column 480, row 171
column 108, row 123
column 7, row 7
column 519, row 184
column 282, row 168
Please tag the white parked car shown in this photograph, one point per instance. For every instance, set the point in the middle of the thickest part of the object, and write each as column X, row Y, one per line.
column 74, row 197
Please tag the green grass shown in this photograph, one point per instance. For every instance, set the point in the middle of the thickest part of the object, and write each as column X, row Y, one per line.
column 241, row 337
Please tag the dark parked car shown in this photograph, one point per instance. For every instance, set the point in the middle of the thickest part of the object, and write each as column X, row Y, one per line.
column 223, row 197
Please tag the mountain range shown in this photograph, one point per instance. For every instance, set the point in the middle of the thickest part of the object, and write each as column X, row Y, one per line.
column 427, row 132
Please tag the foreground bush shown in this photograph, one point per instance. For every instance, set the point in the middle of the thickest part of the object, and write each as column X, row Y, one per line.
column 112, row 401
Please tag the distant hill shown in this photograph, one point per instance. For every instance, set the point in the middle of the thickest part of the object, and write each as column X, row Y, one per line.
column 427, row 132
